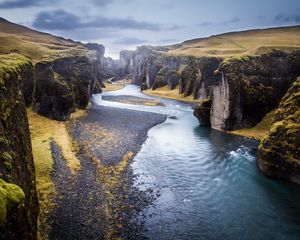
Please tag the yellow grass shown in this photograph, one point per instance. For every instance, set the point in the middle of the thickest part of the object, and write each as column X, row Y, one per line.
column 33, row 44
column 43, row 131
column 111, row 178
column 164, row 92
column 124, row 81
column 112, row 87
column 239, row 43
column 259, row 131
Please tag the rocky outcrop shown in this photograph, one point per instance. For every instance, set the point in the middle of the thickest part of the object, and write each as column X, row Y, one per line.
column 126, row 62
column 250, row 87
column 63, row 84
column 279, row 150
column 202, row 112
column 100, row 65
column 18, row 199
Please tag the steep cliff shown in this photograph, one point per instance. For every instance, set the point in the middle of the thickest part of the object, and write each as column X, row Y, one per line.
column 65, row 73
column 250, row 87
column 18, row 199
column 279, row 150
column 63, row 84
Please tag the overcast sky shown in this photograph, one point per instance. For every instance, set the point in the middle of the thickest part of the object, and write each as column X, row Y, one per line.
column 125, row 24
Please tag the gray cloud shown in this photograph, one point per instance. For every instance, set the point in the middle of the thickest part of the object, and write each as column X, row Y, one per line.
column 233, row 20
column 226, row 22
column 20, row 3
column 102, row 3
column 295, row 18
column 62, row 20
column 169, row 40
column 204, row 24
column 130, row 41
column 174, row 27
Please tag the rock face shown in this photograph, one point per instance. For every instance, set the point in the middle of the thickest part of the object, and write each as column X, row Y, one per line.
column 279, row 150
column 250, row 87
column 18, row 199
column 63, row 84
column 242, row 89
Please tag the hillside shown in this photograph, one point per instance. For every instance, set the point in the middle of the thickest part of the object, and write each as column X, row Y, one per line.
column 36, row 45
column 251, row 42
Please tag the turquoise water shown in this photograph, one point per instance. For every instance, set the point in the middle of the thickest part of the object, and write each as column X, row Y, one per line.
column 209, row 184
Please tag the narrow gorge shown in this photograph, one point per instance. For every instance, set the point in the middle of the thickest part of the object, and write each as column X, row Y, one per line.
column 81, row 161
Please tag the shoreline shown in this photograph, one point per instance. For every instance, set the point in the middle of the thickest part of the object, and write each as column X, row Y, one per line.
column 101, row 195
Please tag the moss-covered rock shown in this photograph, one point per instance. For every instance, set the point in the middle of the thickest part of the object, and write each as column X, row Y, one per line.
column 11, row 196
column 16, row 163
column 279, row 150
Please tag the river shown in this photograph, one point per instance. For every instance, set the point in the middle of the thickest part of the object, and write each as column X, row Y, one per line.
column 208, row 181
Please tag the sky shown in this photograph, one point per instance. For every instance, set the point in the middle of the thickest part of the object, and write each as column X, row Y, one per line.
column 126, row 24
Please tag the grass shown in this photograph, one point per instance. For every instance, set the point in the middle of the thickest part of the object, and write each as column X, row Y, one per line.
column 43, row 131
column 239, row 43
column 164, row 92
column 112, row 180
column 259, row 131
column 113, row 87
column 34, row 45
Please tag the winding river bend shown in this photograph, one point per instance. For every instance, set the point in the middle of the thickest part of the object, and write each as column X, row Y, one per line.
column 208, row 182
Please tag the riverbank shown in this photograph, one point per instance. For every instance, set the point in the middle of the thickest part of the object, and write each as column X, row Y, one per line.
column 100, row 200
column 128, row 99
column 42, row 135
column 164, row 92
column 258, row 131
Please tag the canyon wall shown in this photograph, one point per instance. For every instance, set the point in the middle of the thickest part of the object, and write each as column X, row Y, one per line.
column 54, row 86
column 279, row 150
column 241, row 89
column 18, row 198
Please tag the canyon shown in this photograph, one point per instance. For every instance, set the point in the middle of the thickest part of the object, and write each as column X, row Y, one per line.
column 233, row 82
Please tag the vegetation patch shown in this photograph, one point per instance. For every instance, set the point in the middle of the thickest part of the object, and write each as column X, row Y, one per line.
column 113, row 87
column 43, row 131
column 10, row 195
column 164, row 92
column 259, row 131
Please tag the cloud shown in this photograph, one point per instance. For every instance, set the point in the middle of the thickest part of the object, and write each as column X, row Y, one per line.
column 102, row 3
column 294, row 18
column 20, row 3
column 233, row 20
column 226, row 22
column 174, row 27
column 62, row 20
column 204, row 24
column 169, row 40
column 130, row 41
column 57, row 20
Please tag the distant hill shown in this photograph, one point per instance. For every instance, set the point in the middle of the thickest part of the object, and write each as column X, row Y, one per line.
column 249, row 42
column 33, row 44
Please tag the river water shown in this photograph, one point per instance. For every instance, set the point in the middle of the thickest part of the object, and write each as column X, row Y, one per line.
column 208, row 182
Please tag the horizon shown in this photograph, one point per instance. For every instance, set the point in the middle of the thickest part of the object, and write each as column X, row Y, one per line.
column 114, row 24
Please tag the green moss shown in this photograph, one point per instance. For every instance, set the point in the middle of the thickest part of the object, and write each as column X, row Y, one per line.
column 237, row 58
column 11, row 64
column 10, row 194
column 279, row 153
